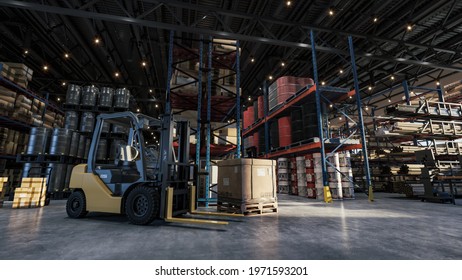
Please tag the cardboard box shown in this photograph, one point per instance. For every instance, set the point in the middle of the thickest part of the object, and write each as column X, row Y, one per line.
column 247, row 180
column 229, row 131
column 227, row 140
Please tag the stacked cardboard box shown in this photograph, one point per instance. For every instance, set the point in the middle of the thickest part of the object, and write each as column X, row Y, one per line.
column 32, row 193
column 19, row 73
column 3, row 180
column 226, row 136
column 7, row 98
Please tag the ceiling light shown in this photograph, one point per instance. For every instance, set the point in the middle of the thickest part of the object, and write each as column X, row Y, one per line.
column 341, row 71
column 146, row 142
column 45, row 67
column 283, row 64
column 437, row 83
column 288, row 3
column 392, row 77
column 270, row 77
column 409, row 27
column 252, row 60
column 64, row 83
column 59, row 99
column 367, row 108
column 375, row 19
column 152, row 133
column 138, row 109
column 250, row 98
column 116, row 74
column 330, row 105
column 323, row 83
column 26, row 51
column 97, row 40
column 155, row 138
column 369, row 88
column 339, row 118
column 259, row 88
column 411, row 92
column 66, row 55
column 150, row 90
column 143, row 63
column 389, row 100
column 229, row 121
column 331, row 12
column 351, row 97
column 157, row 106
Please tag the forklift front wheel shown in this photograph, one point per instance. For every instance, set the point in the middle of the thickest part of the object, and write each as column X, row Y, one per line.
column 76, row 206
column 142, row 205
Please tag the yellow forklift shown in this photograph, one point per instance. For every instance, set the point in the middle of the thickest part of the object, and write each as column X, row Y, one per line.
column 143, row 182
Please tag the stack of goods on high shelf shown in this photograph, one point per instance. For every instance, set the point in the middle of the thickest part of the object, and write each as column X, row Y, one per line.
column 318, row 179
column 225, row 136
column 17, row 72
column 12, row 142
column 283, row 172
column 284, row 88
column 7, row 98
column 347, row 174
column 293, row 176
column 453, row 92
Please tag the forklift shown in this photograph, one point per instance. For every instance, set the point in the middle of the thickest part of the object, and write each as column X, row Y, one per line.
column 143, row 182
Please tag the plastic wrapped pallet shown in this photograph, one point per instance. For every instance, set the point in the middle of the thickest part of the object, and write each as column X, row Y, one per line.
column 247, row 184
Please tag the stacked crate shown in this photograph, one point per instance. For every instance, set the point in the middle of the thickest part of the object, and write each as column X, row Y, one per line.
column 32, row 193
column 12, row 142
column 310, row 177
column 293, row 176
column 283, row 172
column 301, row 176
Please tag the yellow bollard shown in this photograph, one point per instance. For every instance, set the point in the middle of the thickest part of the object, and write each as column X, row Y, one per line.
column 371, row 194
column 327, row 195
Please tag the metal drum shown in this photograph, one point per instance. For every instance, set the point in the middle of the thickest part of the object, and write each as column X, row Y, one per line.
column 74, row 148
column 87, row 123
column 105, row 97
column 81, row 148
column 122, row 98
column 89, row 96
column 38, row 140
column 116, row 143
column 73, row 94
column 106, row 127
column 57, row 177
column 72, row 120
column 60, row 141
column 32, row 170
column 101, row 153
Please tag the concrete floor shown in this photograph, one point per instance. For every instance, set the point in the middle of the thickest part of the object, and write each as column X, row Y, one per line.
column 390, row 228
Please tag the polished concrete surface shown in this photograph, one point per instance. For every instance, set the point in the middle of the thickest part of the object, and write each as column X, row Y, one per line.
column 392, row 227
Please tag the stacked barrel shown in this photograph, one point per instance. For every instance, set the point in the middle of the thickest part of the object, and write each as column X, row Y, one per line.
column 318, row 179
column 301, row 176
column 293, row 176
column 310, row 177
column 283, row 175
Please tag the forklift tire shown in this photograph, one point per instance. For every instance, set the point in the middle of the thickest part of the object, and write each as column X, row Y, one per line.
column 76, row 206
column 142, row 205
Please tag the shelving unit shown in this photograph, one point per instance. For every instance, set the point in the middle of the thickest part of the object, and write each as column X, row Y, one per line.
column 205, row 89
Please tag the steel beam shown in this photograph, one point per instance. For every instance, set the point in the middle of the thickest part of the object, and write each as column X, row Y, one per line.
column 237, row 36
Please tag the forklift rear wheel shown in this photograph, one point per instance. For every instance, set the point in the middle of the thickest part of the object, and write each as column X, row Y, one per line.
column 142, row 205
column 76, row 206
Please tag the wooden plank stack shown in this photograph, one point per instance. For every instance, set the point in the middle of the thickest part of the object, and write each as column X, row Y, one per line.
column 31, row 194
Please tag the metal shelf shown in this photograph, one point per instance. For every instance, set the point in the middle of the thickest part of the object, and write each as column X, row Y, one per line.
column 304, row 95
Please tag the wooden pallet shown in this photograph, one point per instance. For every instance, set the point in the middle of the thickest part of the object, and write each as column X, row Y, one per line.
column 247, row 208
